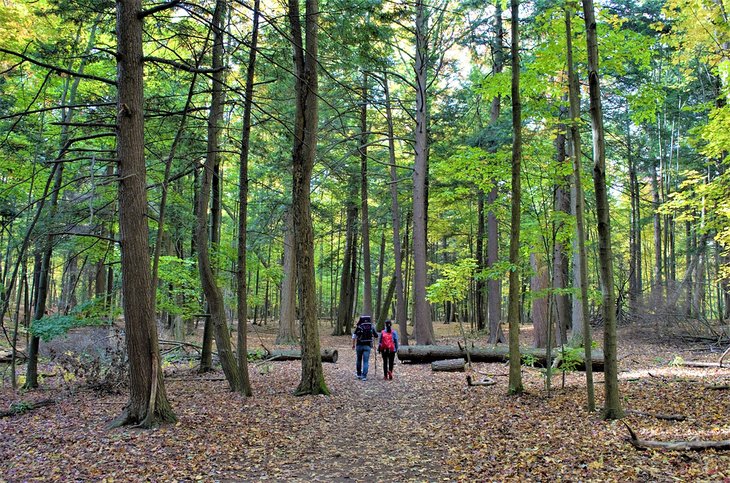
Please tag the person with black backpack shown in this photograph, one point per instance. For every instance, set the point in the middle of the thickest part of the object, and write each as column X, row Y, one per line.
column 362, row 342
column 388, row 347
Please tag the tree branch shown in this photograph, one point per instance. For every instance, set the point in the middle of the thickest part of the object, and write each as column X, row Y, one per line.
column 158, row 8
column 57, row 69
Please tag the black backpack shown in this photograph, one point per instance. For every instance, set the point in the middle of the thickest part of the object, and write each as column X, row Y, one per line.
column 365, row 333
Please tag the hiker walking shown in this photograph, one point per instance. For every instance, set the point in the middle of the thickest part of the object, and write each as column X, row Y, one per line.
column 362, row 342
column 388, row 347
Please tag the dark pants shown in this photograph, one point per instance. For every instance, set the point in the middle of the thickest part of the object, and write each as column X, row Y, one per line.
column 388, row 360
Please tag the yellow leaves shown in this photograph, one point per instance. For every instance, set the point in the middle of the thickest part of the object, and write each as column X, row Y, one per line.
column 596, row 465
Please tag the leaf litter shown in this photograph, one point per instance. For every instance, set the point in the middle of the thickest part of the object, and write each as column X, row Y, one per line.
column 421, row 426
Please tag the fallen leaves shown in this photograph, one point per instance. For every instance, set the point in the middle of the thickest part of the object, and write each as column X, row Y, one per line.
column 422, row 426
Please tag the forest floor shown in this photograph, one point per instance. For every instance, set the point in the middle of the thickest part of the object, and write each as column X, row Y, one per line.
column 421, row 426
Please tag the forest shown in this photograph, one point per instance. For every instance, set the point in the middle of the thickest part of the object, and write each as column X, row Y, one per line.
column 200, row 198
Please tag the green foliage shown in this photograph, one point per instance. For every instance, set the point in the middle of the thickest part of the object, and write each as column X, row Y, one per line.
column 88, row 314
column 571, row 358
column 180, row 291
column 453, row 284
column 529, row 360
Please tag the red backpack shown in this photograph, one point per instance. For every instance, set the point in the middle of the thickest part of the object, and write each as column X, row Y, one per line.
column 386, row 341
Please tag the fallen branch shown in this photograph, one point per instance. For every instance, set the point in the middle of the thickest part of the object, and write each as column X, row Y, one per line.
column 487, row 381
column 24, row 407
column 727, row 351
column 676, row 445
column 665, row 417
column 720, row 387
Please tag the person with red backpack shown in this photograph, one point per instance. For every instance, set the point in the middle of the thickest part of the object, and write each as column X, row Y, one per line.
column 362, row 341
column 388, row 347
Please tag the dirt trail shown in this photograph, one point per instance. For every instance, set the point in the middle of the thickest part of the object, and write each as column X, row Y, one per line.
column 374, row 430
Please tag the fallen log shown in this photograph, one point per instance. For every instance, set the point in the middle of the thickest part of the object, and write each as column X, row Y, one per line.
column 24, row 407
column 700, row 364
column 676, row 445
column 6, row 356
column 422, row 354
column 448, row 365
column 328, row 355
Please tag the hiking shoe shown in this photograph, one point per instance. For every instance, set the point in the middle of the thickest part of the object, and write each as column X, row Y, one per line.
column 364, row 378
column 385, row 377
column 390, row 375
column 358, row 376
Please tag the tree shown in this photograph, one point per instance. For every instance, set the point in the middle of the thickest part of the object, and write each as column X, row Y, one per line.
column 422, row 326
column 578, row 204
column 148, row 403
column 513, row 314
column 305, row 148
column 241, row 294
column 212, row 159
column 612, row 408
column 494, row 295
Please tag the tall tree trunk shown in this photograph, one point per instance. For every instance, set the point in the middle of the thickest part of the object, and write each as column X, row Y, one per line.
column 288, row 306
column 379, row 286
column 657, row 286
column 494, row 290
column 480, row 286
column 148, row 402
column 539, row 283
column 68, row 98
column 400, row 300
column 581, row 324
column 612, row 408
column 560, row 255
column 422, row 326
column 634, row 229
column 367, row 291
column 241, row 287
column 349, row 264
column 305, row 148
column 513, row 313
column 213, row 294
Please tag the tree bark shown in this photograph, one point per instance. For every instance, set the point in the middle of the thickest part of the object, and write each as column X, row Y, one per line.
column 539, row 282
column 241, row 286
column 327, row 355
column 400, row 301
column 513, row 315
column 494, row 291
column 580, row 268
column 612, row 397
column 212, row 292
column 288, row 312
column 422, row 326
column 303, row 155
column 349, row 264
column 657, row 286
column 367, row 292
column 421, row 354
column 560, row 255
column 449, row 365
column 148, row 403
